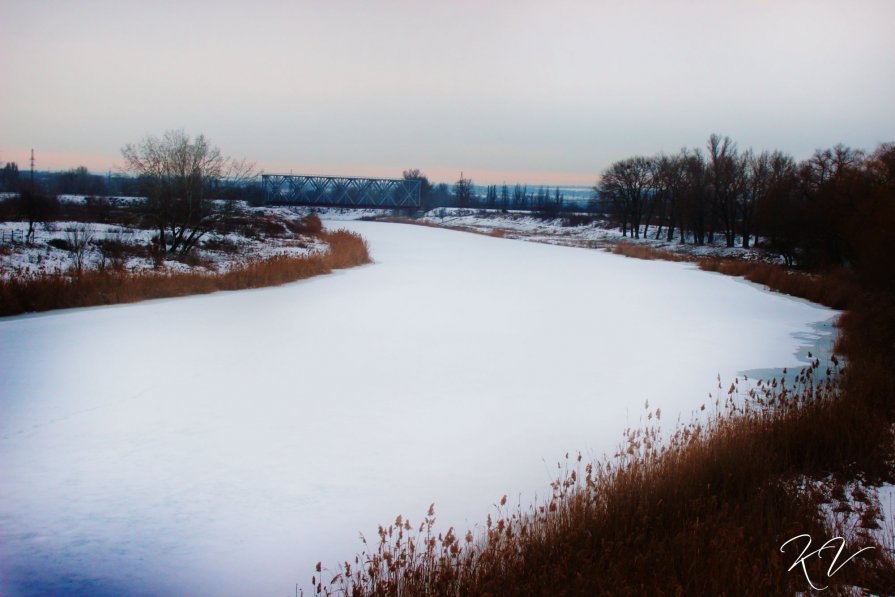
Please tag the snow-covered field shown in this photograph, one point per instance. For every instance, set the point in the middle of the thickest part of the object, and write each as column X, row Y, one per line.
column 43, row 257
column 222, row 444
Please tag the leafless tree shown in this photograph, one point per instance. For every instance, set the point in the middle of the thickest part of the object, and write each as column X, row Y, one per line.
column 176, row 172
column 760, row 172
column 464, row 193
column 727, row 182
column 780, row 213
column 78, row 238
column 425, row 185
column 627, row 186
column 669, row 183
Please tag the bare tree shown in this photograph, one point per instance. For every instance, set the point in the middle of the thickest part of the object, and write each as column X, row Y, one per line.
column 780, row 213
column 425, row 185
column 176, row 173
column 9, row 177
column 669, row 183
column 726, row 182
column 825, row 164
column 78, row 238
column 759, row 170
column 37, row 208
column 464, row 194
column 491, row 197
column 626, row 187
column 520, row 197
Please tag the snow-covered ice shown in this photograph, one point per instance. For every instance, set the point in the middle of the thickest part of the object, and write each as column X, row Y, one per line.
column 222, row 444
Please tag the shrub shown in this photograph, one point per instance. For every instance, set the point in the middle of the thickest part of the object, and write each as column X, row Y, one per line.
column 59, row 243
column 309, row 225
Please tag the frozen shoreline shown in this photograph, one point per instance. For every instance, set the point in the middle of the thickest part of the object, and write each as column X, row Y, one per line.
column 224, row 443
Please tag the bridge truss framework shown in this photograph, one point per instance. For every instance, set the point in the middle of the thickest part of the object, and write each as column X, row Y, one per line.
column 341, row 191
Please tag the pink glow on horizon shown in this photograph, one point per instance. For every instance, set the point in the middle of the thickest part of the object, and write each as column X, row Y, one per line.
column 512, row 177
column 480, row 176
column 100, row 163
column 97, row 163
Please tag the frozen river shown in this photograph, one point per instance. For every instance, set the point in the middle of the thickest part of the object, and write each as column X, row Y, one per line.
column 222, row 444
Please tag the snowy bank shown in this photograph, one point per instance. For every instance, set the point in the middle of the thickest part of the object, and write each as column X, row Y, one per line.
column 222, row 444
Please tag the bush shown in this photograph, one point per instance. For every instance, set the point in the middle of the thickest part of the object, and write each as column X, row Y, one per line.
column 59, row 243
column 309, row 225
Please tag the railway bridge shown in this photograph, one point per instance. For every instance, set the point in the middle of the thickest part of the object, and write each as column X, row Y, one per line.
column 340, row 191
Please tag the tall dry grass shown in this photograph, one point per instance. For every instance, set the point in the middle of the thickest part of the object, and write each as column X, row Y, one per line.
column 640, row 251
column 837, row 288
column 703, row 511
column 89, row 288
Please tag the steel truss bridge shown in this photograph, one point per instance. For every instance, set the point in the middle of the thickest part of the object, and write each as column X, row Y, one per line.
column 341, row 191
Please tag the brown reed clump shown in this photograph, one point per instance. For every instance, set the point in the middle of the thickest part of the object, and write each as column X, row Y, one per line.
column 308, row 225
column 836, row 289
column 57, row 291
column 640, row 251
column 702, row 512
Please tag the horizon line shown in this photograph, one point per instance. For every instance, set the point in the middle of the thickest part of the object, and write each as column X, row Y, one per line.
column 100, row 163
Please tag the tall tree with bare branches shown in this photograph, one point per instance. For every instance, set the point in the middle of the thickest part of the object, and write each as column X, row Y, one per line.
column 627, row 187
column 176, row 173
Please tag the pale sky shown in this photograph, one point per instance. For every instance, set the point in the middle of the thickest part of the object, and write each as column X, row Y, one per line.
column 508, row 90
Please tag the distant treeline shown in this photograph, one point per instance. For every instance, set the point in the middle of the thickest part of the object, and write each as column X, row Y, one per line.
column 545, row 201
column 80, row 181
column 836, row 208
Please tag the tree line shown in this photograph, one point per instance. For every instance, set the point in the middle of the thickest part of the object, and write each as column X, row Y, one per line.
column 81, row 181
column 75, row 181
column 824, row 211
column 544, row 201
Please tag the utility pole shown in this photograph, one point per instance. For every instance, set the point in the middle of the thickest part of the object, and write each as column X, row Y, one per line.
column 32, row 168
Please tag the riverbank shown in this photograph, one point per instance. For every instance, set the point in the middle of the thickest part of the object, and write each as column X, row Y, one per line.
column 707, row 509
column 86, row 263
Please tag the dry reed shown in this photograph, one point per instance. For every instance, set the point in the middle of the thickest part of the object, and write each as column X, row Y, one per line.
column 639, row 251
column 56, row 291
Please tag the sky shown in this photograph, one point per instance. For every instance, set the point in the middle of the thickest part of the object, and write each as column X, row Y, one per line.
column 503, row 90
